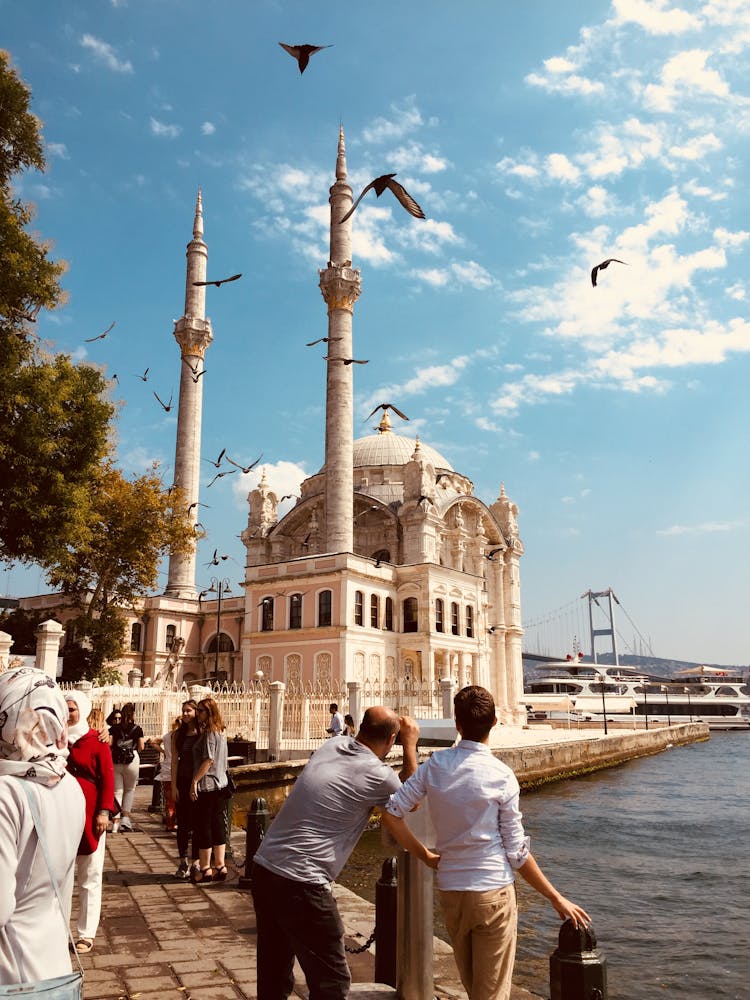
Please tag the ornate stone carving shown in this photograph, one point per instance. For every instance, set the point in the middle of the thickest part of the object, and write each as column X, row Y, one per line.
column 194, row 335
column 340, row 287
column 293, row 669
column 323, row 669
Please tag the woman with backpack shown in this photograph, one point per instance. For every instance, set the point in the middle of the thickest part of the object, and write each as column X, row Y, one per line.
column 183, row 742
column 208, row 790
column 127, row 743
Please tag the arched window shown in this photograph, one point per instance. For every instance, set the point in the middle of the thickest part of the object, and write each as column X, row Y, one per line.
column 374, row 611
column 411, row 615
column 388, row 625
column 225, row 644
column 454, row 618
column 381, row 556
column 266, row 614
column 358, row 607
column 324, row 608
column 295, row 611
column 170, row 636
column 469, row 621
column 136, row 631
column 439, row 615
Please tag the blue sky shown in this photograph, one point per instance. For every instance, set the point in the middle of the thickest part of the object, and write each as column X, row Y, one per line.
column 539, row 139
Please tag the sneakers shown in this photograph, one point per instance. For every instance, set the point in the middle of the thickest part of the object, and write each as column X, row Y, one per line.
column 115, row 825
column 126, row 826
column 183, row 871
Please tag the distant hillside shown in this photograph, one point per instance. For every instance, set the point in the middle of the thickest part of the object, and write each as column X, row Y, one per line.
column 658, row 665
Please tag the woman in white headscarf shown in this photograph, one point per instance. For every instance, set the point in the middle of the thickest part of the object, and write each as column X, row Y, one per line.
column 90, row 762
column 33, row 750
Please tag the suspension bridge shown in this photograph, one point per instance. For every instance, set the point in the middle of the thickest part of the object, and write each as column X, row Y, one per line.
column 588, row 624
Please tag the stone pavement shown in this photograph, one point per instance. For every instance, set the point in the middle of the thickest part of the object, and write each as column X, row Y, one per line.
column 161, row 938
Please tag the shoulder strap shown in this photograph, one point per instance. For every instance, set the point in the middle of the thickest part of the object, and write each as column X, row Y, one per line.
column 45, row 851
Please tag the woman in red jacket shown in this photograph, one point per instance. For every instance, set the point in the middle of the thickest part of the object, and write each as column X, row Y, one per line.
column 90, row 761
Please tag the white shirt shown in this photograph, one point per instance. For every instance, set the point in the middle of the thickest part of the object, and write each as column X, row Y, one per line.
column 473, row 800
column 337, row 724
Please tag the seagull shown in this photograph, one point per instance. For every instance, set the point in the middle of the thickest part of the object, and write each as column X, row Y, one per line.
column 167, row 406
column 302, row 53
column 220, row 475
column 217, row 463
column 346, row 361
column 601, row 267
column 492, row 553
column 101, row 336
column 144, row 377
column 221, row 281
column 402, row 196
column 245, row 468
column 193, row 368
column 384, row 407
column 290, row 496
column 323, row 340
column 197, row 503
column 215, row 558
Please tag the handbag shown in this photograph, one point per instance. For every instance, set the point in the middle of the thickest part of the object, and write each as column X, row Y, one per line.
column 65, row 987
column 230, row 788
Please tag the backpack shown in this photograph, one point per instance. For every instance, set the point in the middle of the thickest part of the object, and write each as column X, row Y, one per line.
column 123, row 751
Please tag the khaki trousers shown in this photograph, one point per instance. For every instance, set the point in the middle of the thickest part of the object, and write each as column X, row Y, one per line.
column 482, row 928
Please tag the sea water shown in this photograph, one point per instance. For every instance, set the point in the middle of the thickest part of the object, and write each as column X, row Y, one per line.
column 656, row 851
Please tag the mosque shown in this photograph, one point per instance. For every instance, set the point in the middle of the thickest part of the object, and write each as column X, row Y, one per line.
column 386, row 568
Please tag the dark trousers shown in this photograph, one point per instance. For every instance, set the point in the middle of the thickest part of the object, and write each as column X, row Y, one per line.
column 297, row 918
column 184, row 815
column 209, row 820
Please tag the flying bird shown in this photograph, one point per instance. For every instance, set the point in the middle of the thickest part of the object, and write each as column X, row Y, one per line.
column 346, row 361
column 402, row 196
column 115, row 378
column 215, row 558
column 245, row 468
column 217, row 463
column 220, row 475
column 194, row 368
column 323, row 340
column 101, row 336
column 197, row 503
column 492, row 553
column 290, row 496
column 387, row 406
column 144, row 377
column 302, row 53
column 197, row 377
column 221, row 281
column 603, row 265
column 167, row 406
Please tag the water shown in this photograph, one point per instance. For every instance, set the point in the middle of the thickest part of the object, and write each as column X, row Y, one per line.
column 656, row 852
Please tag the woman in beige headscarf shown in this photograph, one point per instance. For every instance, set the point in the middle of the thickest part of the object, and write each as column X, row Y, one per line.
column 33, row 750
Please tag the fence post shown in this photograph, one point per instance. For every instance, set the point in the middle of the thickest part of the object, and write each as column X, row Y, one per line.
column 6, row 641
column 355, row 701
column 414, row 965
column 134, row 677
column 48, row 636
column 577, row 968
column 256, row 824
column 386, row 917
column 446, row 693
column 276, row 720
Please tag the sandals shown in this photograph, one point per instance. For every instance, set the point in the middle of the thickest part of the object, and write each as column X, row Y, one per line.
column 220, row 874
column 203, row 873
column 84, row 945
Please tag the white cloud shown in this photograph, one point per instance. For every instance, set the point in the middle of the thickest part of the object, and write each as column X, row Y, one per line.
column 706, row 528
column 559, row 167
column 164, row 131
column 572, row 84
column 283, row 478
column 697, row 147
column 725, row 238
column 414, row 157
column 404, row 118
column 208, row 128
column 597, row 202
column 58, row 149
column 429, row 377
column 655, row 17
column 685, row 74
column 106, row 54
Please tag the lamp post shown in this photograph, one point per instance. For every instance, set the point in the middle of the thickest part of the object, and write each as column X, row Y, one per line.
column 221, row 588
column 665, row 689
column 690, row 704
column 604, row 704
column 645, row 700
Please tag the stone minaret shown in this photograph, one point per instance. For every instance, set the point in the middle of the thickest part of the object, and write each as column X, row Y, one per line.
column 340, row 285
column 193, row 333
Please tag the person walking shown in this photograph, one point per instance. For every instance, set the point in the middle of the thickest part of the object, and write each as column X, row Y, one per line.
column 183, row 742
column 480, row 843
column 127, row 743
column 33, row 755
column 336, row 727
column 309, row 843
column 207, row 791
column 349, row 728
column 90, row 763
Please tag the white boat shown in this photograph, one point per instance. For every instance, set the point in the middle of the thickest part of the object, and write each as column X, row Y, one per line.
column 582, row 692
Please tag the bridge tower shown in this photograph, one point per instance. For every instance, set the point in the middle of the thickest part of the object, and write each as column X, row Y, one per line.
column 609, row 610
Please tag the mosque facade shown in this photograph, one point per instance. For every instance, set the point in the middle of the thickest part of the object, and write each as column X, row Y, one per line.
column 387, row 568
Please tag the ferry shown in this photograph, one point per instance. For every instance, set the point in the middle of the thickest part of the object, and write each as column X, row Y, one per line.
column 574, row 691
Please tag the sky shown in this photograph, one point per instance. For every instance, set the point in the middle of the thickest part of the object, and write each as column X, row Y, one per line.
column 540, row 139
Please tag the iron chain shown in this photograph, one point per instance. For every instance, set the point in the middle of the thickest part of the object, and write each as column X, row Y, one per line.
column 364, row 947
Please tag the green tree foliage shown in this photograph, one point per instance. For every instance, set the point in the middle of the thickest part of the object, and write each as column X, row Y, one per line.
column 21, row 625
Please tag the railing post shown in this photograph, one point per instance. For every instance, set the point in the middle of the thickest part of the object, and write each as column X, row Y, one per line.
column 276, row 720
column 48, row 636
column 257, row 821
column 6, row 641
column 446, row 693
column 386, row 917
column 355, row 701
column 414, row 950
column 577, row 969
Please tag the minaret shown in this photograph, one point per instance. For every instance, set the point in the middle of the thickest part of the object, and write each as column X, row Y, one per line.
column 193, row 333
column 340, row 285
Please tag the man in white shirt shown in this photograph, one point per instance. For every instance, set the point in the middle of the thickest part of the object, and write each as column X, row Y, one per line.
column 480, row 843
column 336, row 727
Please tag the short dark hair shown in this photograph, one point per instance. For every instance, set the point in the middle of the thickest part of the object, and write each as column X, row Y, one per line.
column 333, row 707
column 375, row 730
column 474, row 708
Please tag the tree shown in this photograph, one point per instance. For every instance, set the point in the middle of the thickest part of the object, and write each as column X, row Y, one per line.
column 54, row 415
column 133, row 524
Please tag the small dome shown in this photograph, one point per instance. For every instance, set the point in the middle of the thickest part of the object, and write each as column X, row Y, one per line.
column 392, row 449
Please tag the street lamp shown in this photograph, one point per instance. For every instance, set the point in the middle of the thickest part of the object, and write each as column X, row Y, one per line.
column 690, row 704
column 221, row 588
column 665, row 689
column 604, row 704
column 645, row 700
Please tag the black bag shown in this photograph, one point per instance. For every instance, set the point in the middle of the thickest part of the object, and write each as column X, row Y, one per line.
column 230, row 788
column 123, row 747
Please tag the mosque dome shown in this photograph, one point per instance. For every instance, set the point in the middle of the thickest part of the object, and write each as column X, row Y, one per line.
column 386, row 448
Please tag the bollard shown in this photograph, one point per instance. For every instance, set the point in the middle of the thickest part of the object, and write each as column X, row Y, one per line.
column 258, row 818
column 577, row 969
column 386, row 908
